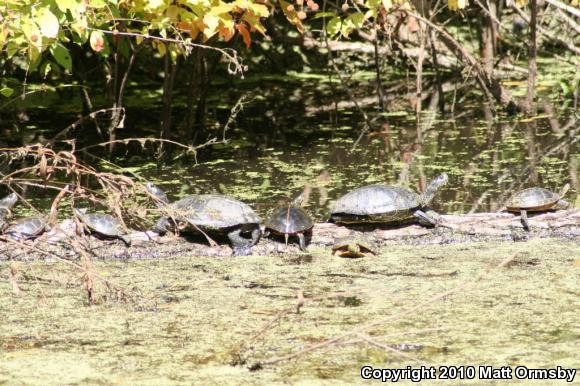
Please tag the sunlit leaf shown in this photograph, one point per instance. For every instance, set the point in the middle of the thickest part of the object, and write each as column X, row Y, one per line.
column 333, row 26
column 48, row 23
column 6, row 91
column 97, row 41
column 292, row 16
column 245, row 34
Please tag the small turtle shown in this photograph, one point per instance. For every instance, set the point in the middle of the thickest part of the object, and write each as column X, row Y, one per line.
column 387, row 204
column 27, row 228
column 103, row 224
column 290, row 221
column 354, row 246
column 536, row 200
column 212, row 213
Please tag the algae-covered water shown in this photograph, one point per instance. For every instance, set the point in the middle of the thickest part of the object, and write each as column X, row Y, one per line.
column 202, row 320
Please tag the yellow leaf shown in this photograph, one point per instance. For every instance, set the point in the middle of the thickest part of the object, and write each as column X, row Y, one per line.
column 211, row 25
column 172, row 13
column 292, row 16
column 388, row 4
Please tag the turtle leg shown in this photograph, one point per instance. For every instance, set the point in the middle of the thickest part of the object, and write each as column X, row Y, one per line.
column 301, row 241
column 562, row 204
column 126, row 240
column 524, row 219
column 425, row 219
column 256, row 234
column 240, row 245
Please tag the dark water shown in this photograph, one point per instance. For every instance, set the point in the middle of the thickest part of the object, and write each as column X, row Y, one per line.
column 290, row 137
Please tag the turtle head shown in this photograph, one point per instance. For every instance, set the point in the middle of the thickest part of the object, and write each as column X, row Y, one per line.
column 564, row 190
column 429, row 193
column 9, row 201
column 156, row 192
column 162, row 225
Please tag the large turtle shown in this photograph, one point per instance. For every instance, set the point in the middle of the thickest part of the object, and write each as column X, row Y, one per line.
column 103, row 225
column 386, row 204
column 290, row 221
column 212, row 213
column 536, row 200
column 27, row 228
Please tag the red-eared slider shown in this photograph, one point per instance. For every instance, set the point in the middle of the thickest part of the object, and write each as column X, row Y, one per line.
column 212, row 213
column 354, row 246
column 27, row 228
column 103, row 225
column 386, row 204
column 536, row 200
column 290, row 221
column 6, row 205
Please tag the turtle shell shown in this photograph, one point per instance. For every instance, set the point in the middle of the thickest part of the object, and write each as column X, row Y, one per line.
column 289, row 220
column 376, row 203
column 213, row 211
column 104, row 224
column 27, row 227
column 532, row 199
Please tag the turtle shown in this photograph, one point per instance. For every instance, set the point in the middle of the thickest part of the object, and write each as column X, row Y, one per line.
column 354, row 246
column 27, row 228
column 214, row 213
column 536, row 200
column 387, row 204
column 103, row 224
column 290, row 221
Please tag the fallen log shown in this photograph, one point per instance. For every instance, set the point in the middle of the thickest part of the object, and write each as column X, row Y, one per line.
column 463, row 228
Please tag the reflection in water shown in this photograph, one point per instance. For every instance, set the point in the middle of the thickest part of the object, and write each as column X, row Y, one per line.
column 279, row 149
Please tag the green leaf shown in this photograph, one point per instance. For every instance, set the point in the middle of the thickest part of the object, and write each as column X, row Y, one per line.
column 333, row 26
column 62, row 56
column 6, row 91
column 324, row 14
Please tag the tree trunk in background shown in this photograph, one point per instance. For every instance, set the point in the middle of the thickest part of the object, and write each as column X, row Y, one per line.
column 192, row 92
column 532, row 68
column 203, row 88
column 489, row 38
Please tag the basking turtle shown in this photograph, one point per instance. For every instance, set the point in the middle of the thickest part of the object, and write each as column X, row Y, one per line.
column 386, row 204
column 290, row 221
column 27, row 228
column 536, row 200
column 103, row 224
column 214, row 213
column 354, row 246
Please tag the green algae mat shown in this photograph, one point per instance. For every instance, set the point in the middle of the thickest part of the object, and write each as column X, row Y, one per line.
column 485, row 309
